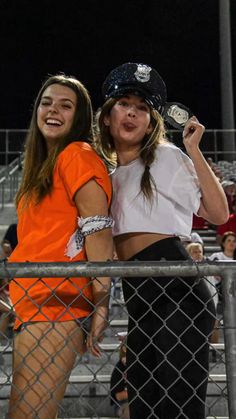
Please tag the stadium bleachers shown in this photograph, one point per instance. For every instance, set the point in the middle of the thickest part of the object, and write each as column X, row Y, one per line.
column 87, row 395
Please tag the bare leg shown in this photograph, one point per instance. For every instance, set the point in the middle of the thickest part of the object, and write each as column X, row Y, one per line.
column 44, row 355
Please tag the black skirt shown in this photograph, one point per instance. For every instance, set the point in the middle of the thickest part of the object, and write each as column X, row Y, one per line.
column 170, row 321
column 141, row 294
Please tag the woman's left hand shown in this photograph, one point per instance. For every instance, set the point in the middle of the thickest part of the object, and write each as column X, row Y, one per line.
column 192, row 133
column 213, row 206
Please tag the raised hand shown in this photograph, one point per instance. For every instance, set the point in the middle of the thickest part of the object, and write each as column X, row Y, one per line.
column 192, row 134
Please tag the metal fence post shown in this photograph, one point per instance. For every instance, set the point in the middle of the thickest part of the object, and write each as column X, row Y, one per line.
column 7, row 148
column 229, row 315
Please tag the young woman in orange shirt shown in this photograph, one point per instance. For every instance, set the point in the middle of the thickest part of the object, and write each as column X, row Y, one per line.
column 62, row 207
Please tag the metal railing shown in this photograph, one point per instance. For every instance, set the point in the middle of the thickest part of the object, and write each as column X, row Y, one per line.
column 11, row 144
column 9, row 180
column 2, row 188
column 226, row 270
column 217, row 143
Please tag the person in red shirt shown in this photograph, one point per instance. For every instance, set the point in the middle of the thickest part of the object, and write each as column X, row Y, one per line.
column 199, row 223
column 65, row 190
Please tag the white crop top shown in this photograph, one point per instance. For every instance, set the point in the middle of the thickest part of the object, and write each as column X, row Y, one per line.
column 176, row 198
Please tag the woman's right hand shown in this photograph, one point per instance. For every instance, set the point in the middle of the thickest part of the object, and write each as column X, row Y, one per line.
column 99, row 324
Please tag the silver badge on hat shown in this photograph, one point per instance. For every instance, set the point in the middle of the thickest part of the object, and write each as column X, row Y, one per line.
column 143, row 73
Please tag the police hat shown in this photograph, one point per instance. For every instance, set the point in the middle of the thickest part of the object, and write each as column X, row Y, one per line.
column 138, row 79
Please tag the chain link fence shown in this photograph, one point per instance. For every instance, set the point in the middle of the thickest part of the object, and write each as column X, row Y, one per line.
column 89, row 387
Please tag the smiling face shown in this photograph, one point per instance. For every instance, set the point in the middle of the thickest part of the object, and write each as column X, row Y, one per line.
column 129, row 121
column 55, row 113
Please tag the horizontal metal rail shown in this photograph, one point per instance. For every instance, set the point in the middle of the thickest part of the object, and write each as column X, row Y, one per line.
column 114, row 269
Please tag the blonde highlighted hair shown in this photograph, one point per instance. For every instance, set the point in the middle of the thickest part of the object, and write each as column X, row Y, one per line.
column 105, row 147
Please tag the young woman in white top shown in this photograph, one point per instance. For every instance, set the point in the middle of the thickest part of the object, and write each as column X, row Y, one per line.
column 228, row 247
column 156, row 190
column 228, row 252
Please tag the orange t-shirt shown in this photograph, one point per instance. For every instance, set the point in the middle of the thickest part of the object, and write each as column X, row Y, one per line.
column 43, row 232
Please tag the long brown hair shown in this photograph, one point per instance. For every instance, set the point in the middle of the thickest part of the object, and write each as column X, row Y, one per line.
column 105, row 147
column 37, row 179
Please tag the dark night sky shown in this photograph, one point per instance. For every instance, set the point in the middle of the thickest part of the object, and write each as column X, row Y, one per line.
column 180, row 38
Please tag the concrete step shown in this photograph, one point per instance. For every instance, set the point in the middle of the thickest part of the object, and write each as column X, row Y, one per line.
column 7, row 216
column 92, row 399
column 217, row 380
column 209, row 239
column 110, row 355
column 88, row 395
column 212, row 248
column 206, row 232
